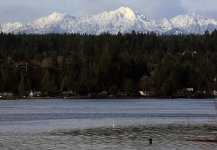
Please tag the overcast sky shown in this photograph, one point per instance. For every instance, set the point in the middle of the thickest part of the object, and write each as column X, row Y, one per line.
column 25, row 11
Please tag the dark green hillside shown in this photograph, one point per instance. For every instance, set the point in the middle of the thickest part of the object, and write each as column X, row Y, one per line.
column 84, row 64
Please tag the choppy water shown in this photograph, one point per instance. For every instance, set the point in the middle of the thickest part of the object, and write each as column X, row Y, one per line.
column 108, row 124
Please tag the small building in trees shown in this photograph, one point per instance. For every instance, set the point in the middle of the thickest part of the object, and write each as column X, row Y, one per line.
column 122, row 94
column 145, row 93
column 8, row 94
column 215, row 93
column 25, row 65
column 35, row 94
column 68, row 94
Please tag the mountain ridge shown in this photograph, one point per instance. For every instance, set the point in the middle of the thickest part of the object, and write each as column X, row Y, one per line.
column 123, row 20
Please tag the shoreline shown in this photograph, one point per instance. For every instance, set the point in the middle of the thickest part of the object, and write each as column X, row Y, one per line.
column 87, row 97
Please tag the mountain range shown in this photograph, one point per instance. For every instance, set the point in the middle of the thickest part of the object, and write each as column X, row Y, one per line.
column 123, row 20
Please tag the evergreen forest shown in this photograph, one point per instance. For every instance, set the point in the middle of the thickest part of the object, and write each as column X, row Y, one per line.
column 161, row 64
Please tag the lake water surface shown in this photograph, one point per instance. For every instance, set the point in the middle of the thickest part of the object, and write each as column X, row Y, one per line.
column 100, row 124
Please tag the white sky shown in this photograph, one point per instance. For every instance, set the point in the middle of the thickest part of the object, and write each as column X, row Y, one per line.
column 25, row 11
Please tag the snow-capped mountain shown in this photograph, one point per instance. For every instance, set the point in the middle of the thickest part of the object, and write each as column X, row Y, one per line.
column 165, row 24
column 123, row 20
column 176, row 31
column 194, row 23
column 10, row 27
column 55, row 23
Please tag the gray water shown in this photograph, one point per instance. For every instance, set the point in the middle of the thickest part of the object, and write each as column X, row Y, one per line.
column 108, row 124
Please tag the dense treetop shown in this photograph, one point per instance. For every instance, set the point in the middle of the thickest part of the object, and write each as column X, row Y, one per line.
column 92, row 63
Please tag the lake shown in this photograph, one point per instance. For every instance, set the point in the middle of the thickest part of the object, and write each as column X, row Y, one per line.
column 86, row 124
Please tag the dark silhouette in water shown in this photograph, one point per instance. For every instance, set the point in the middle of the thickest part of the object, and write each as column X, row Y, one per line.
column 150, row 141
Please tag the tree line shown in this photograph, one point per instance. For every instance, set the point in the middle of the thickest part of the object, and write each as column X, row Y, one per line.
column 130, row 62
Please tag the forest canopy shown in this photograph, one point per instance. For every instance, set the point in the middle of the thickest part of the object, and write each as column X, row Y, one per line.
column 84, row 64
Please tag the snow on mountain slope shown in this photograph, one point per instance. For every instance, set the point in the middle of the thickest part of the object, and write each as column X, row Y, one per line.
column 10, row 27
column 55, row 23
column 194, row 23
column 123, row 20
column 165, row 24
column 176, row 31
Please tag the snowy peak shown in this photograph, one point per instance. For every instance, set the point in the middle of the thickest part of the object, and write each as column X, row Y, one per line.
column 123, row 13
column 123, row 20
column 185, row 20
column 165, row 24
column 53, row 18
column 10, row 27
column 54, row 23
column 59, row 17
column 194, row 23
column 124, row 10
column 126, row 13
column 56, row 16
column 130, row 14
column 196, row 16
